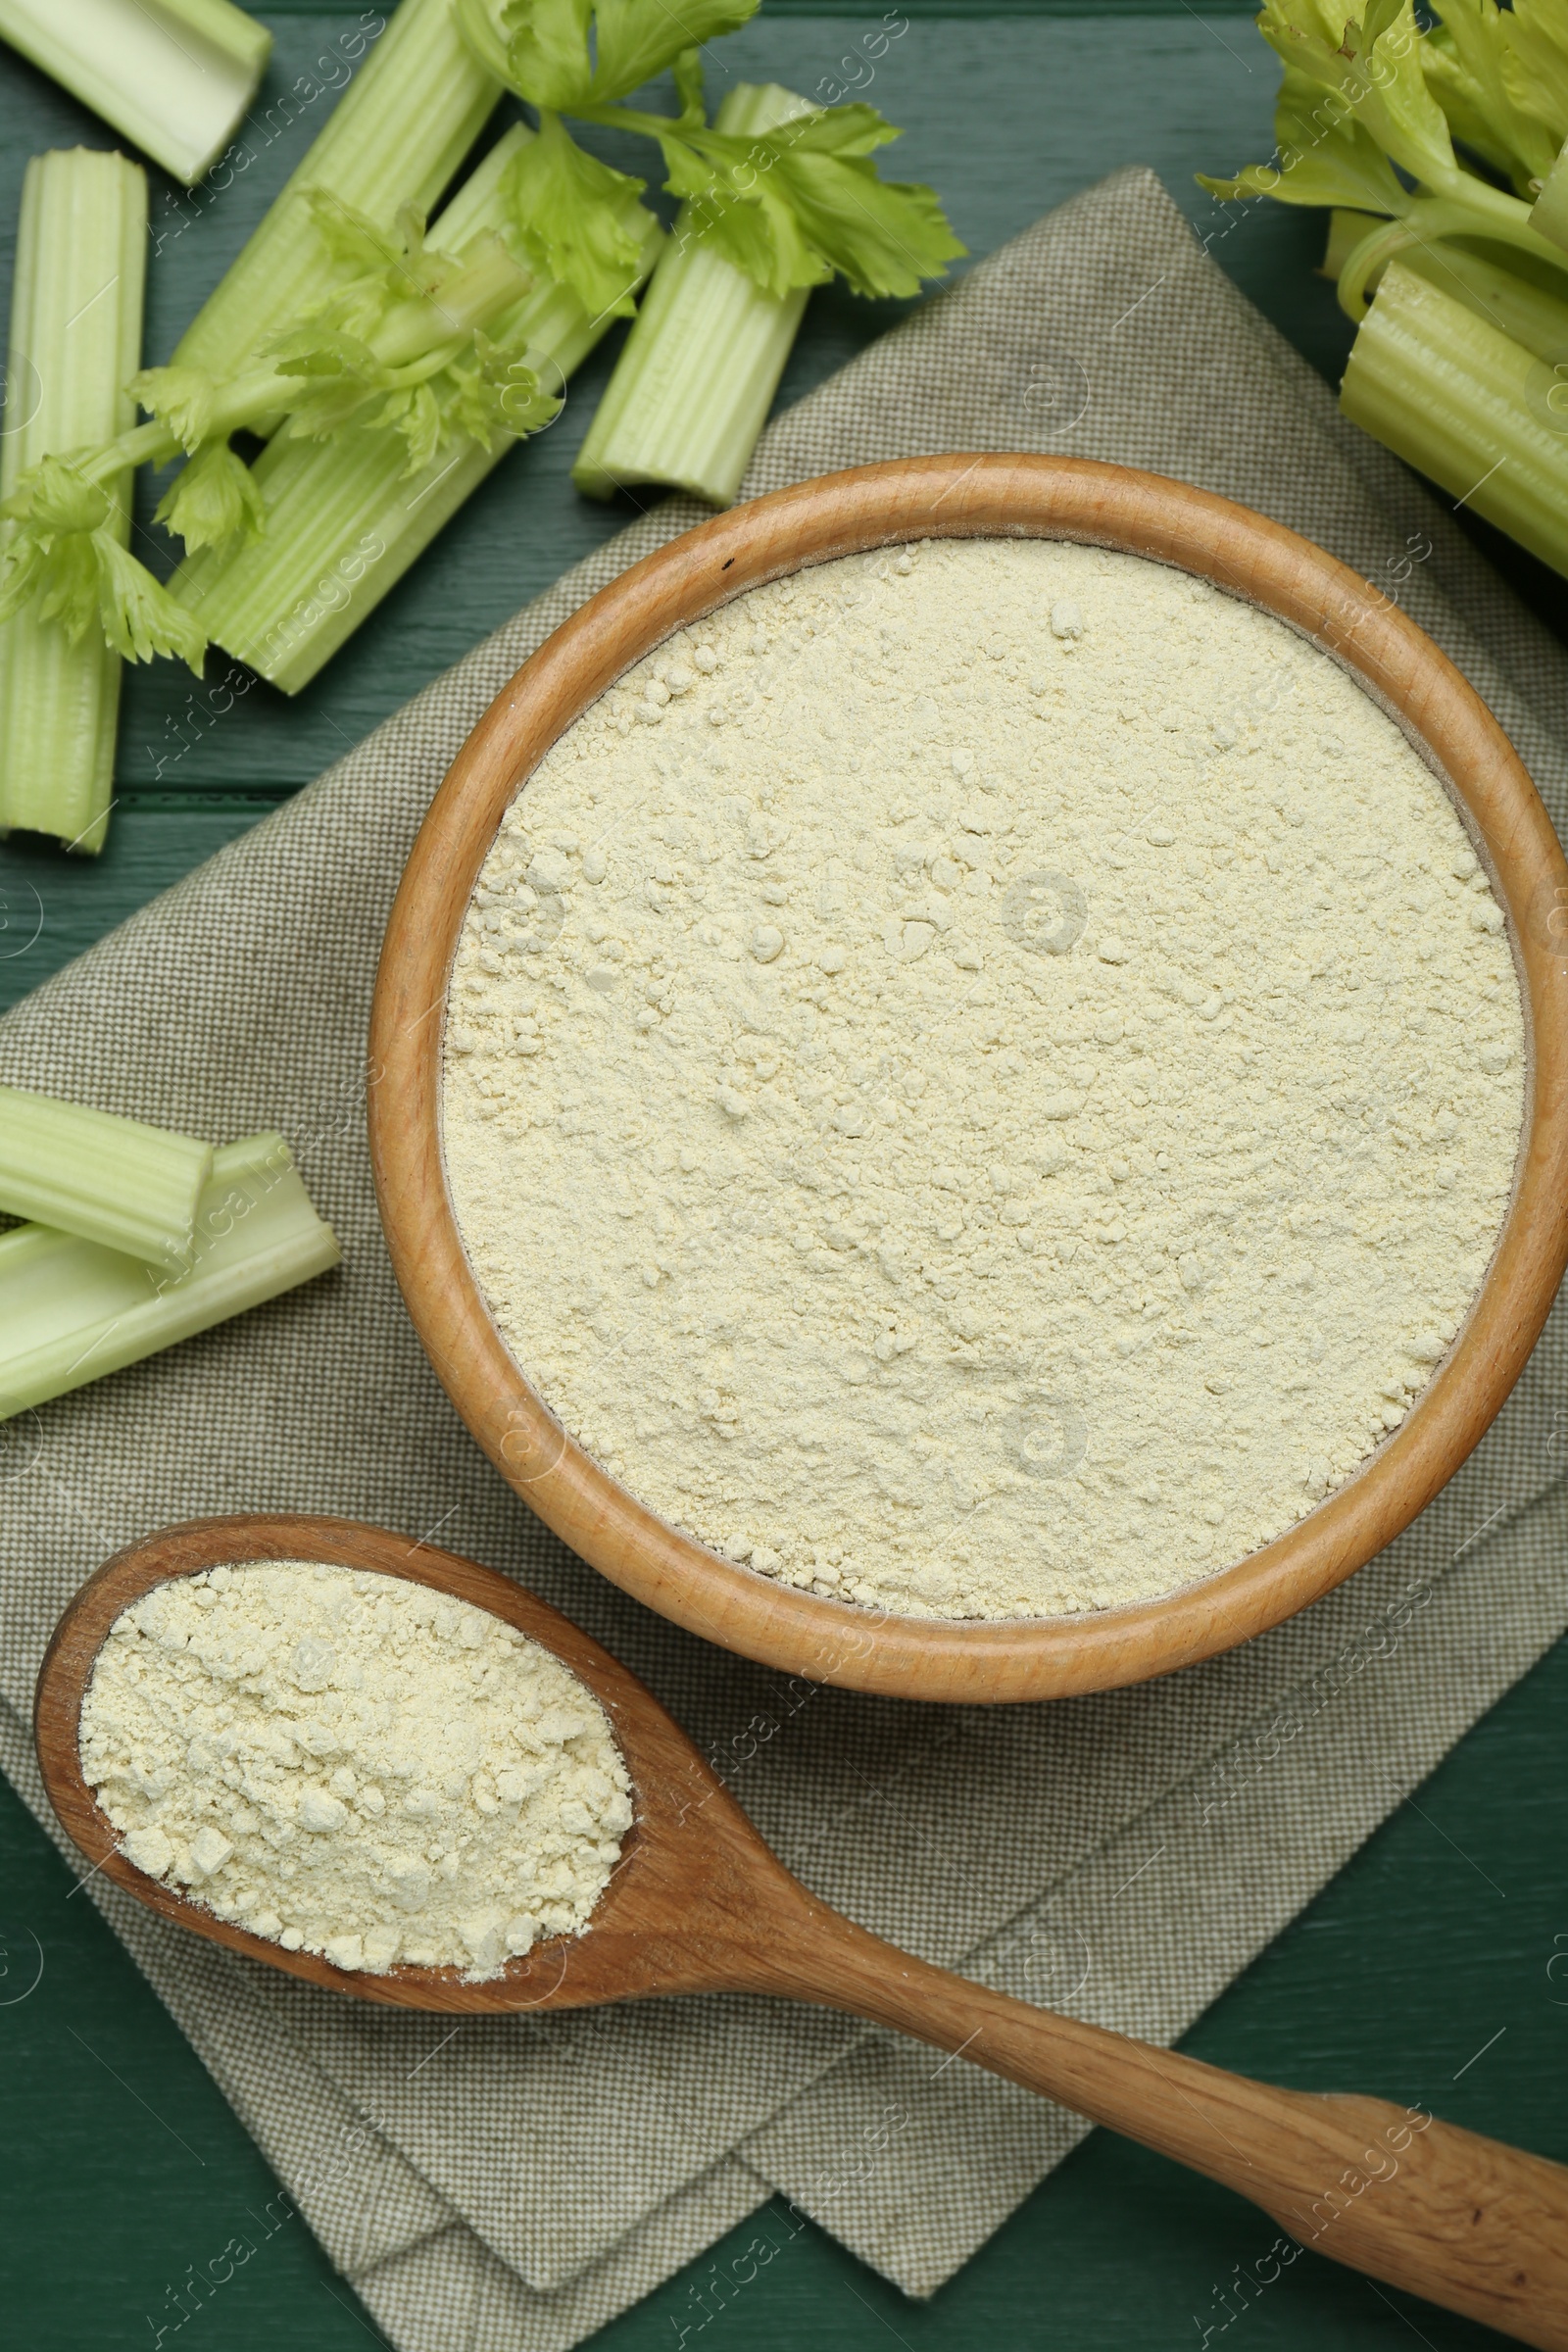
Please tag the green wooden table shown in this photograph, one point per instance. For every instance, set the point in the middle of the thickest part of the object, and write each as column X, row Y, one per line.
column 1435, row 1968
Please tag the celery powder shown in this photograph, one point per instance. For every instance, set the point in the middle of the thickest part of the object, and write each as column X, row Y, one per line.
column 351, row 1764
column 982, row 1080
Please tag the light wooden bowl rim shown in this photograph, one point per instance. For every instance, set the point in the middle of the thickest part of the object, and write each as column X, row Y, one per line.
column 966, row 496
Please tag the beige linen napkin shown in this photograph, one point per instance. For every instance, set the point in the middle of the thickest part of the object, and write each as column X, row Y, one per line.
column 515, row 2182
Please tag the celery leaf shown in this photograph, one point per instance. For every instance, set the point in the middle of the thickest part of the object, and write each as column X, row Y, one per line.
column 790, row 207
column 181, row 397
column 635, row 39
column 741, row 212
column 762, row 237
column 1456, row 95
column 349, row 234
column 499, row 397
column 25, row 563
column 1325, row 157
column 577, row 220
column 1376, row 67
column 63, row 558
column 57, row 497
column 1466, row 68
column 796, row 205
column 331, row 377
column 884, row 236
column 416, row 413
column 391, row 265
column 1535, row 71
column 542, row 48
column 547, row 49
column 140, row 616
column 214, row 499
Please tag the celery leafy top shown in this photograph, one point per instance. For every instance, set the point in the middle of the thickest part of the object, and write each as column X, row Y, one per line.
column 792, row 207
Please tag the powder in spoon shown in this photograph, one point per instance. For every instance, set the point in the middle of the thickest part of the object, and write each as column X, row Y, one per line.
column 981, row 1080
column 351, row 1764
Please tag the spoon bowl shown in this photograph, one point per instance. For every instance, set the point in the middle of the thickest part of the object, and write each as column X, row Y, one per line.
column 699, row 1903
column 689, row 1852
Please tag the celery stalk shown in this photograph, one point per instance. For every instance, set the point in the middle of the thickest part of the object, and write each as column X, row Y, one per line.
column 1467, row 405
column 71, row 1311
column 75, row 341
column 1346, row 231
column 1514, row 304
column 396, row 136
column 174, row 75
column 112, row 1181
column 343, row 523
column 693, row 385
column 1495, row 292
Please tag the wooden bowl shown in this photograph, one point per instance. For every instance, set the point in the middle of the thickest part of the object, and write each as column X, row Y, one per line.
column 966, row 497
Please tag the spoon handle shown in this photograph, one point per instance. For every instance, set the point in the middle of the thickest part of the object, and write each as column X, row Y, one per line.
column 1471, row 2224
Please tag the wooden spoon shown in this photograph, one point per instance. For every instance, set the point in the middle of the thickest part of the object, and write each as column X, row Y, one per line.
column 698, row 1904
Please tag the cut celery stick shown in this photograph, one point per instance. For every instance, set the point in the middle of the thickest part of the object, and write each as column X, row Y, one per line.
column 342, row 524
column 1467, row 405
column 71, row 1311
column 75, row 343
column 174, row 75
column 692, row 386
column 114, row 1181
column 396, row 136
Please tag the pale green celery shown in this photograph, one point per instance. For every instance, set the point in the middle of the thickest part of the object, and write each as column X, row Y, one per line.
column 342, row 524
column 693, row 385
column 396, row 136
column 174, row 75
column 1514, row 304
column 1346, row 231
column 1466, row 406
column 1495, row 291
column 112, row 1181
column 75, row 343
column 71, row 1311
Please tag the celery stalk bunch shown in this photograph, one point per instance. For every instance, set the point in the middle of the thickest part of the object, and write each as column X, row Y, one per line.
column 400, row 348
column 387, row 370
column 77, row 602
column 1440, row 156
column 138, row 1238
column 344, row 520
column 777, row 196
